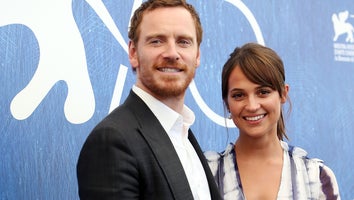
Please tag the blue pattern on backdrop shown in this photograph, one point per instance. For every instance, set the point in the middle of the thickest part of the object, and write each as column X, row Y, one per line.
column 39, row 152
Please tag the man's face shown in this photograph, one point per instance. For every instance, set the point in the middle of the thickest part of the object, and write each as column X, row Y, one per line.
column 167, row 54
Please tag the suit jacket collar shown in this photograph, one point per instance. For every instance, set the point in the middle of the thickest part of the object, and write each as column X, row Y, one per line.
column 162, row 147
column 166, row 155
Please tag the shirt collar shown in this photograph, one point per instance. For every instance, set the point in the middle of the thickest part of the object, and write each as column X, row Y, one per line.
column 167, row 117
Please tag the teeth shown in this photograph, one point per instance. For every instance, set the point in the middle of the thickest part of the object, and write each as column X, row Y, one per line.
column 255, row 118
column 169, row 70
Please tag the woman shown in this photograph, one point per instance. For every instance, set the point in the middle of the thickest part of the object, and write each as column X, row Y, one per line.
column 260, row 165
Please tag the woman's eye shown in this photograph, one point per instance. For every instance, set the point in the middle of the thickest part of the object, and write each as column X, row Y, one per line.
column 264, row 92
column 237, row 96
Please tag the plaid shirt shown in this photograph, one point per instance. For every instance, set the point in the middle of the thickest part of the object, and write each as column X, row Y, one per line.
column 302, row 177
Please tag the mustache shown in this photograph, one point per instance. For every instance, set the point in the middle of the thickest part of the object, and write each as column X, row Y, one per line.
column 170, row 63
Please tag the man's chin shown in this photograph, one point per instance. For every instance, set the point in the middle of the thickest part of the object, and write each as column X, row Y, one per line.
column 171, row 91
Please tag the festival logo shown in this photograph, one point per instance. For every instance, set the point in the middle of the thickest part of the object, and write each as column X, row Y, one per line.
column 343, row 36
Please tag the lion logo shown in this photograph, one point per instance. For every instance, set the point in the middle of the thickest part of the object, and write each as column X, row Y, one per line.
column 341, row 26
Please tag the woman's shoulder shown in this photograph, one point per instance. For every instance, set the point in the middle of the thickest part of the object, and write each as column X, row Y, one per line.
column 322, row 179
column 317, row 172
column 214, row 156
column 215, row 159
column 299, row 153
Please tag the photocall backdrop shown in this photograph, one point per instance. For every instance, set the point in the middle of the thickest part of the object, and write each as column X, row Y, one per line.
column 64, row 66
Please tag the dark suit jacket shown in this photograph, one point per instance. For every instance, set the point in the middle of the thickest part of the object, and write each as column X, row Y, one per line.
column 128, row 155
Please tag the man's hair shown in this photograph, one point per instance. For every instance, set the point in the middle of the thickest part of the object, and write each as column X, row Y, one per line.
column 150, row 5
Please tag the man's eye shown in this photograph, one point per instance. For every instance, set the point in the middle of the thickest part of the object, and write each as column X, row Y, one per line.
column 155, row 41
column 184, row 43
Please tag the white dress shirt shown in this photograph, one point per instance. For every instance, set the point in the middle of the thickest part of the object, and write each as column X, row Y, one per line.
column 176, row 126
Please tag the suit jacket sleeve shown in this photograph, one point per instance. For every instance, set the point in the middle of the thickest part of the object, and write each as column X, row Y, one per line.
column 100, row 174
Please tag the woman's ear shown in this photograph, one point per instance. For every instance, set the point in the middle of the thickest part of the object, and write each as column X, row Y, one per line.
column 285, row 93
column 226, row 106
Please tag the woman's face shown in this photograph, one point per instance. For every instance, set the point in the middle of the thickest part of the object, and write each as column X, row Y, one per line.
column 255, row 109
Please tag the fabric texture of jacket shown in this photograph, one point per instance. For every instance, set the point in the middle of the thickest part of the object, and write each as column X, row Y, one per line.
column 128, row 155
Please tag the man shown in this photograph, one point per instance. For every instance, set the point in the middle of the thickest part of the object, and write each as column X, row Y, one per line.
column 144, row 149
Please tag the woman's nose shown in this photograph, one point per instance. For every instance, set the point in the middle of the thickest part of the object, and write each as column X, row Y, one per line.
column 252, row 104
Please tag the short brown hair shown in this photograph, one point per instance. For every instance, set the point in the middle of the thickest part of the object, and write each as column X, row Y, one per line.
column 149, row 5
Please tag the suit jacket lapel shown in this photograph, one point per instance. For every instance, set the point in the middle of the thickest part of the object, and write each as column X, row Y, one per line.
column 163, row 149
column 214, row 192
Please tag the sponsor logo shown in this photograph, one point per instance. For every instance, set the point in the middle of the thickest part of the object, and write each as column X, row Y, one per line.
column 343, row 37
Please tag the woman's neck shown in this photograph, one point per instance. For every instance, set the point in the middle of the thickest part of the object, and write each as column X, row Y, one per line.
column 261, row 148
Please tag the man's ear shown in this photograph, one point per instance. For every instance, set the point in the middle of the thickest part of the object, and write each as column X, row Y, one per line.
column 198, row 59
column 133, row 57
